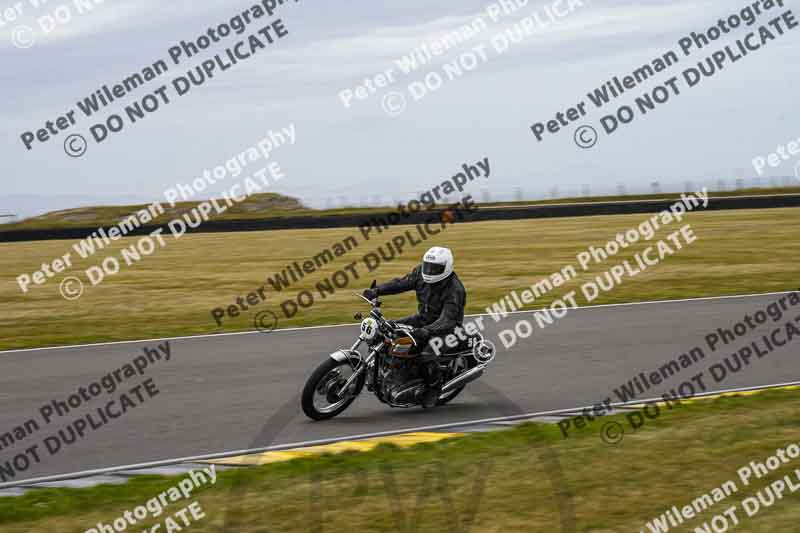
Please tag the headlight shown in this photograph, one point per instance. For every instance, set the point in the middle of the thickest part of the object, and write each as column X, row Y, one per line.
column 369, row 329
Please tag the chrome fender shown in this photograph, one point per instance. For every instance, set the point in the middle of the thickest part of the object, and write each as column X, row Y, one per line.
column 342, row 356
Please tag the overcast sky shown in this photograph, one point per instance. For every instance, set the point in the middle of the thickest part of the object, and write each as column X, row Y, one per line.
column 711, row 131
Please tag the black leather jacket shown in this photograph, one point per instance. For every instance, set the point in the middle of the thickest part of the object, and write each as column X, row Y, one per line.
column 441, row 305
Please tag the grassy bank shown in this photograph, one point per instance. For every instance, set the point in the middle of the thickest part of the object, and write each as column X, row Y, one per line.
column 272, row 205
column 173, row 291
column 519, row 479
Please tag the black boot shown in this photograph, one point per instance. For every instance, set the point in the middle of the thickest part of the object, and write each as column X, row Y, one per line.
column 433, row 386
column 431, row 395
column 432, row 375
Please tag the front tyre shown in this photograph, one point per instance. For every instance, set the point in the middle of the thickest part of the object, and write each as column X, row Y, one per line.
column 322, row 397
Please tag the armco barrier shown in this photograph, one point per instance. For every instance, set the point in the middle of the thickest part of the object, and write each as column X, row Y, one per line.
column 481, row 214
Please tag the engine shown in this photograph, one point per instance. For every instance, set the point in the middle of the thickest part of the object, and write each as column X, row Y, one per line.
column 401, row 380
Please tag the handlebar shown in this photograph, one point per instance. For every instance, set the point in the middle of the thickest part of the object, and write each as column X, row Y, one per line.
column 377, row 315
column 370, row 302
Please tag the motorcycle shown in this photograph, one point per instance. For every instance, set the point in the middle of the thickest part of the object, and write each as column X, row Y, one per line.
column 389, row 369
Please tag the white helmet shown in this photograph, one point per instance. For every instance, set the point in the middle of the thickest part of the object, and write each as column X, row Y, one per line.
column 437, row 264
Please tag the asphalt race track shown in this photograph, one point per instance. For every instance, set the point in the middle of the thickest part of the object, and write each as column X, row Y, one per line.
column 217, row 393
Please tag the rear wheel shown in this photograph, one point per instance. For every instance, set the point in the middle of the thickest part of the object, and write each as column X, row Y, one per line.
column 322, row 397
column 460, row 366
column 450, row 395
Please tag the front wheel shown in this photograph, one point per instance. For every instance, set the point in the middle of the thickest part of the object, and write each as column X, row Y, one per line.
column 321, row 399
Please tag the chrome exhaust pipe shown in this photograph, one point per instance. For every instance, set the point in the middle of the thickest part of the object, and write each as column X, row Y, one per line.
column 463, row 379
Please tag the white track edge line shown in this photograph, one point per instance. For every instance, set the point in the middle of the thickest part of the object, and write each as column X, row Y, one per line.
column 304, row 444
column 304, row 328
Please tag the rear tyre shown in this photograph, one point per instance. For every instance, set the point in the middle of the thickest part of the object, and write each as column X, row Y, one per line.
column 450, row 395
column 462, row 365
column 320, row 399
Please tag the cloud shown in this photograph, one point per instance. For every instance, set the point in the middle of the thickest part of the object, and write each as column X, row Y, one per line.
column 366, row 52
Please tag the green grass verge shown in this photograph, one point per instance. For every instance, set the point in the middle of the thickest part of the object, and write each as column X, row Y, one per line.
column 505, row 477
column 173, row 291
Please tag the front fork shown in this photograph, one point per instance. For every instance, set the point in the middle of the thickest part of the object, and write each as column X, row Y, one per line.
column 361, row 368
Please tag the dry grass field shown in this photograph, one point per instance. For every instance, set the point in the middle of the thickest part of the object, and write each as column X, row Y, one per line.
column 173, row 291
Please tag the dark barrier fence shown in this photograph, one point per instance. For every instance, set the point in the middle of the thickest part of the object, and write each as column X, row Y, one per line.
column 481, row 214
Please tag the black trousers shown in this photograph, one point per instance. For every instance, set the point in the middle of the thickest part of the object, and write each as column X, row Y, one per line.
column 427, row 358
column 431, row 373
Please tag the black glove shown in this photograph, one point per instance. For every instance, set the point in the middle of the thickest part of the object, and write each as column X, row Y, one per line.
column 370, row 294
column 421, row 336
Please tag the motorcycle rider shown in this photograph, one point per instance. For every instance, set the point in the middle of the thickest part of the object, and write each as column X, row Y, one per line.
column 441, row 299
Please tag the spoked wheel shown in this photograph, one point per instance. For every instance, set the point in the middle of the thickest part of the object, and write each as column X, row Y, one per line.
column 323, row 397
column 460, row 366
